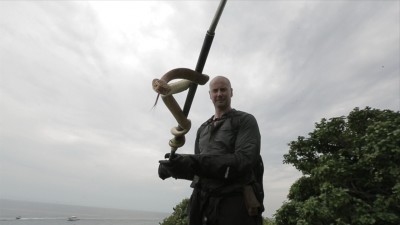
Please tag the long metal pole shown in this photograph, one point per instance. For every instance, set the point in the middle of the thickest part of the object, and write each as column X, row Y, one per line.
column 205, row 49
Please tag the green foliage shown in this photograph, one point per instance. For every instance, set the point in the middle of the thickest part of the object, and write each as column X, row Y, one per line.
column 179, row 216
column 351, row 168
column 268, row 221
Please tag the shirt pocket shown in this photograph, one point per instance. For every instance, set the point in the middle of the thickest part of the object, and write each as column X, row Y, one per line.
column 224, row 140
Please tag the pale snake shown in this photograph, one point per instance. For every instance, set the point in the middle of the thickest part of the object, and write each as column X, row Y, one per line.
column 166, row 90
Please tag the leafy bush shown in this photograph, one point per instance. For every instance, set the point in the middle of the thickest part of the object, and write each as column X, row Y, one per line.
column 179, row 216
column 351, row 171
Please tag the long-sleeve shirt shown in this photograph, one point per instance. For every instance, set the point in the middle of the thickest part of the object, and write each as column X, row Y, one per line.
column 227, row 151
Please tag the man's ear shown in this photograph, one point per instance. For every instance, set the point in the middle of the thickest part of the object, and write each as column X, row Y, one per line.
column 231, row 92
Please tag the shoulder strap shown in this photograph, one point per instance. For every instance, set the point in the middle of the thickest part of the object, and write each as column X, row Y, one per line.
column 234, row 116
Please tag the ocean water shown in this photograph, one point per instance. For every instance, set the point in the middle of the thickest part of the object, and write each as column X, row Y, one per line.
column 33, row 213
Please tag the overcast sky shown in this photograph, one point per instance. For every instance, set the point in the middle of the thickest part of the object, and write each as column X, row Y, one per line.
column 76, row 118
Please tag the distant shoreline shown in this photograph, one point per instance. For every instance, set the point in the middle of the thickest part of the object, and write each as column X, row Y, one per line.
column 10, row 209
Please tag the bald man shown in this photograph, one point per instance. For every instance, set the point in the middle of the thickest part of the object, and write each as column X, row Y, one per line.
column 226, row 170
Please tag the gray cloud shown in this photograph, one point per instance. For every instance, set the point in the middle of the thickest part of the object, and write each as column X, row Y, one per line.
column 76, row 92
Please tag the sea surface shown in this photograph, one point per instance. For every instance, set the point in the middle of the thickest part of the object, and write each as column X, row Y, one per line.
column 33, row 213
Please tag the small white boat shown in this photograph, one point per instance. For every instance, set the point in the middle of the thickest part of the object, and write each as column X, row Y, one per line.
column 73, row 218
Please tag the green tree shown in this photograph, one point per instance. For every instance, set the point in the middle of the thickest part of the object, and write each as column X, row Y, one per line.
column 268, row 221
column 179, row 216
column 351, row 172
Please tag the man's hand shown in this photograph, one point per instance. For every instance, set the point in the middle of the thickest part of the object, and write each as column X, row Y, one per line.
column 164, row 169
column 178, row 167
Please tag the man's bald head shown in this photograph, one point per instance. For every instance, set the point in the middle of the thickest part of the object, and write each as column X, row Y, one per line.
column 220, row 79
column 221, row 93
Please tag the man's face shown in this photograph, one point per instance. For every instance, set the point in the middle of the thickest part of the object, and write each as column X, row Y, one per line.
column 220, row 93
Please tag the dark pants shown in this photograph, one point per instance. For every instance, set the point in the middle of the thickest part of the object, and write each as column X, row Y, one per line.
column 232, row 211
column 221, row 210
